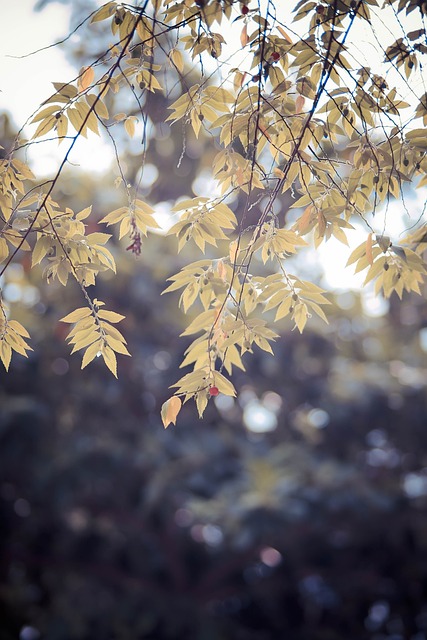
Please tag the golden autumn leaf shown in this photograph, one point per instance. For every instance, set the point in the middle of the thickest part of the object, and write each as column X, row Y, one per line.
column 177, row 59
column 170, row 410
column 86, row 77
column 284, row 34
column 244, row 36
column 299, row 103
column 130, row 126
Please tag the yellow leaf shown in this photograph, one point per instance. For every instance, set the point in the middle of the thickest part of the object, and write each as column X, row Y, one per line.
column 124, row 227
column 224, row 385
column 61, row 128
column 304, row 221
column 116, row 215
column 263, row 130
column 130, row 126
column 77, row 120
column 97, row 238
column 110, row 359
column 201, row 402
column 45, row 113
column 89, row 337
column 26, row 173
column 112, row 331
column 45, row 126
column 111, row 316
column 17, row 343
column 99, row 108
column 176, row 58
column 104, row 12
column 233, row 250
column 285, row 35
column 170, row 410
column 84, row 213
column 117, row 345
column 77, row 315
column 65, row 89
column 18, row 328
column 91, row 352
column 5, row 354
column 87, row 76
column 244, row 36
column 4, row 250
column 300, row 316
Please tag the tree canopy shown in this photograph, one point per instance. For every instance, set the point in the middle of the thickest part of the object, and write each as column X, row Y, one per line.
column 306, row 139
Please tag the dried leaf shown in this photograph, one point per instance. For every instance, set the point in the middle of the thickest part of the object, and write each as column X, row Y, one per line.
column 170, row 410
column 87, row 76
column 244, row 36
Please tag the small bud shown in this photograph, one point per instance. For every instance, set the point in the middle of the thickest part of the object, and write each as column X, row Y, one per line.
column 245, row 10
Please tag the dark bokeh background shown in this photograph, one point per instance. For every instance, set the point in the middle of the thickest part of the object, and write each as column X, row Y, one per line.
column 297, row 511
column 114, row 528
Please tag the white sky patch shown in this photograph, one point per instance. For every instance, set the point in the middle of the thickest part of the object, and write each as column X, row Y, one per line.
column 26, row 82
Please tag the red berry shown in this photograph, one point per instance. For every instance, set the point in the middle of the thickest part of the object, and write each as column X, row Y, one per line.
column 213, row 391
column 245, row 10
column 275, row 55
column 320, row 9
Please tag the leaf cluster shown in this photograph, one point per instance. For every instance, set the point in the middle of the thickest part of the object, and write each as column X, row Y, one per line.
column 308, row 145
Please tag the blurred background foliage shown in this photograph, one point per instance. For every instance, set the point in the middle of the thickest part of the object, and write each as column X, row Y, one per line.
column 297, row 511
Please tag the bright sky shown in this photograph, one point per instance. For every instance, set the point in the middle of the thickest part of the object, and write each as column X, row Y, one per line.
column 26, row 82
